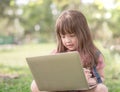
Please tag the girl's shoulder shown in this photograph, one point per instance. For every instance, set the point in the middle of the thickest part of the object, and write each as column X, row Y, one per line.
column 100, row 60
column 98, row 53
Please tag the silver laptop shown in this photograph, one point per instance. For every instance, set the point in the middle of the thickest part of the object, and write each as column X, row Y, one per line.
column 59, row 72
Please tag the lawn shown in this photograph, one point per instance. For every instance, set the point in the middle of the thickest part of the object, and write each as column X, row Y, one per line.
column 15, row 75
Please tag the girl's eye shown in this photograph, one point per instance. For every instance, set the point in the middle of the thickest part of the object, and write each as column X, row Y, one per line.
column 69, row 35
column 72, row 35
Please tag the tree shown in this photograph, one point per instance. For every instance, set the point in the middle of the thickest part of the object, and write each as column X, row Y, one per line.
column 37, row 17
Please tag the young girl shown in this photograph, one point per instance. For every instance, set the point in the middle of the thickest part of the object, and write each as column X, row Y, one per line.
column 73, row 34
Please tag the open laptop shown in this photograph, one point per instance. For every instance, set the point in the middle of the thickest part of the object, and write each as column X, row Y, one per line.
column 59, row 72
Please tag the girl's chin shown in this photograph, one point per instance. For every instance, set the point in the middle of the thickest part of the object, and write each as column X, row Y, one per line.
column 71, row 50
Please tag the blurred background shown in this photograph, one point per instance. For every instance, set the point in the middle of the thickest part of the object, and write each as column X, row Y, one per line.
column 27, row 29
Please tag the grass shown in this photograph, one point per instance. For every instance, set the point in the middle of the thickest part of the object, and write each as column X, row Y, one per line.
column 12, row 62
column 20, row 84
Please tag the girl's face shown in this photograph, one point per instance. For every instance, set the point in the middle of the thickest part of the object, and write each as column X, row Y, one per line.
column 70, row 41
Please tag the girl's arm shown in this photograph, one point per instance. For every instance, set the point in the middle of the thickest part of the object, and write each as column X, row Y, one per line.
column 100, row 66
column 100, row 69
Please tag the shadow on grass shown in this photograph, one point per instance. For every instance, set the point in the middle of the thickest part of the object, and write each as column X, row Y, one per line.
column 19, row 83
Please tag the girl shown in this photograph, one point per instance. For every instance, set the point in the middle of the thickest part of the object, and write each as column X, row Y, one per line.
column 73, row 34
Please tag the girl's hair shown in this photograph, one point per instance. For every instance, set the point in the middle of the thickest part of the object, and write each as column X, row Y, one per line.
column 73, row 21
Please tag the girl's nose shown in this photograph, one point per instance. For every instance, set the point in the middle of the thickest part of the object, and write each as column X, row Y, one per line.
column 68, row 39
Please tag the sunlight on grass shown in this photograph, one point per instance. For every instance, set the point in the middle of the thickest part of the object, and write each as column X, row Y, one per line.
column 16, row 56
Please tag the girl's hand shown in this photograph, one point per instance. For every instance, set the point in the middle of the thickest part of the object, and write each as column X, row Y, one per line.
column 92, row 81
column 88, row 75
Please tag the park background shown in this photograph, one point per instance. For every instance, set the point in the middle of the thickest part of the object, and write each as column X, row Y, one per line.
column 27, row 29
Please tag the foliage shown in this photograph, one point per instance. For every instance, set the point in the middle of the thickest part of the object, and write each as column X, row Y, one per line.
column 115, row 19
column 38, row 17
column 37, row 14
column 4, row 4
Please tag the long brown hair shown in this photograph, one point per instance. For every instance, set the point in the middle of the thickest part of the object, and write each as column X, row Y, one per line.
column 73, row 21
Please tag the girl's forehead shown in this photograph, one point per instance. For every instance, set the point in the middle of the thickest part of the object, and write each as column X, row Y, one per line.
column 66, row 31
column 68, row 34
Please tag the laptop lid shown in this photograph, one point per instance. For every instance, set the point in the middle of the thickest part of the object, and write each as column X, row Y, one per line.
column 58, row 72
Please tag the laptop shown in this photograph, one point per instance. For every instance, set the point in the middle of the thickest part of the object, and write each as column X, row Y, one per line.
column 59, row 72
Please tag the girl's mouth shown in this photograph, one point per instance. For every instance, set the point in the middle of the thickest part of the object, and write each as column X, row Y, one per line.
column 70, row 46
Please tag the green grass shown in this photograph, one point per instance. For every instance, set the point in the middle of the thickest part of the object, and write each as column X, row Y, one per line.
column 20, row 84
column 12, row 61
column 15, row 56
